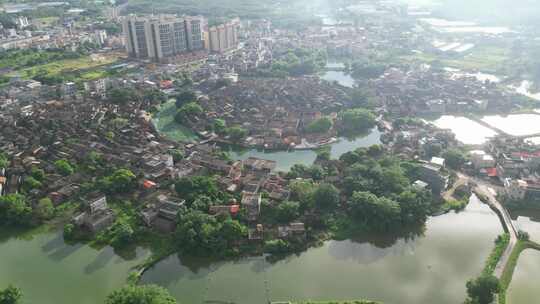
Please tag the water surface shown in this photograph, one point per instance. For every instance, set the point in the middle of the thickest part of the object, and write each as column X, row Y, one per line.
column 49, row 271
column 285, row 160
column 432, row 268
column 524, row 286
column 467, row 131
column 517, row 125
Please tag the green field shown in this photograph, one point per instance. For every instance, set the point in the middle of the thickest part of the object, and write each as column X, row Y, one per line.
column 489, row 59
column 86, row 65
column 164, row 122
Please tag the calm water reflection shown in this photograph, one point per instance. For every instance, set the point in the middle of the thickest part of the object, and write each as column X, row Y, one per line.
column 467, row 131
column 524, row 286
column 425, row 270
column 50, row 271
column 285, row 160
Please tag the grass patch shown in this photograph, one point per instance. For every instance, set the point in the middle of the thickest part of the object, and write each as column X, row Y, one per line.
column 165, row 123
column 500, row 246
column 67, row 66
column 488, row 59
column 339, row 302
column 508, row 272
column 455, row 205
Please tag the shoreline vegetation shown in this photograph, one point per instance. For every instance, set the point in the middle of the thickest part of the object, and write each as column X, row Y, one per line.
column 508, row 272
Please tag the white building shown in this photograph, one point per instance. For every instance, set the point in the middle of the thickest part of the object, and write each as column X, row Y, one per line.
column 515, row 189
column 482, row 160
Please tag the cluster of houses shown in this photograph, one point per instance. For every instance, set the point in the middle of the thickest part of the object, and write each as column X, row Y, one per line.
column 423, row 90
column 274, row 112
column 515, row 162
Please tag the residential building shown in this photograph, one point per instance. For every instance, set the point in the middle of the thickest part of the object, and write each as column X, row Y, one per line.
column 164, row 36
column 224, row 37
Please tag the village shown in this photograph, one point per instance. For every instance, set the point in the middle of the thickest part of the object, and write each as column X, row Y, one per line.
column 92, row 143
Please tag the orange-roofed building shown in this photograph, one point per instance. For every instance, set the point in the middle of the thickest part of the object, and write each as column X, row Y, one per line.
column 148, row 184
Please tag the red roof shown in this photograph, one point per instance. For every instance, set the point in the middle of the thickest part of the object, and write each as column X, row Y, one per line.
column 165, row 84
column 148, row 184
column 235, row 208
column 492, row 172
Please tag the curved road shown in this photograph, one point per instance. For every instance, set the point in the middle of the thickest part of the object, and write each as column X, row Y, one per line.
column 487, row 191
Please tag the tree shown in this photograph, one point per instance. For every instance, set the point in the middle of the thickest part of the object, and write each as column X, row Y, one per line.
column 121, row 232
column 326, row 196
column 236, row 133
column 202, row 203
column 303, row 191
column 188, row 110
column 197, row 232
column 277, row 247
column 44, row 209
column 64, row 167
column 140, row 294
column 232, row 230
column 191, row 188
column 10, row 295
column 14, row 209
column 121, row 181
column 320, row 125
column 357, row 120
column 454, row 159
column 3, row 160
column 287, row 211
column 362, row 98
column 184, row 98
column 177, row 155
column 121, row 96
column 219, row 126
column 30, row 183
column 37, row 173
column 379, row 213
column 483, row 288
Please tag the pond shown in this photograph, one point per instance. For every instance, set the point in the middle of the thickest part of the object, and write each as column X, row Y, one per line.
column 342, row 78
column 467, row 131
column 527, row 220
column 49, row 271
column 285, row 160
column 524, row 286
column 517, row 125
column 431, row 268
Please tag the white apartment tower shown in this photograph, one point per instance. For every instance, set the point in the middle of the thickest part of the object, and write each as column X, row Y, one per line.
column 162, row 36
column 224, row 37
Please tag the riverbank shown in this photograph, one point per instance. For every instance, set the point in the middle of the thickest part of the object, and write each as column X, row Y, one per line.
column 508, row 272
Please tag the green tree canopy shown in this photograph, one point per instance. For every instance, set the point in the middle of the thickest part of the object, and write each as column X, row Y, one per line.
column 379, row 213
column 190, row 188
column 10, row 295
column 121, row 181
column 64, row 167
column 326, row 196
column 454, row 159
column 483, row 289
column 357, row 120
column 236, row 133
column 121, row 96
column 320, row 125
column 15, row 209
column 140, row 294
column 184, row 98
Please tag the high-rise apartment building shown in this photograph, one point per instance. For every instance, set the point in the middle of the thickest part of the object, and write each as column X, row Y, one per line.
column 224, row 37
column 163, row 36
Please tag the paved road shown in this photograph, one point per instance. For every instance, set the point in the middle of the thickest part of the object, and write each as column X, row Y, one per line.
column 485, row 190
